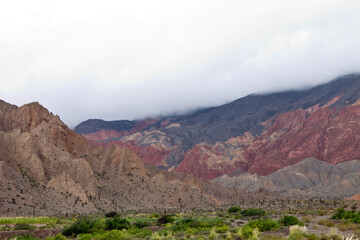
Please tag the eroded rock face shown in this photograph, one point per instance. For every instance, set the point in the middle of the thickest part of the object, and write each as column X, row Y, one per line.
column 45, row 168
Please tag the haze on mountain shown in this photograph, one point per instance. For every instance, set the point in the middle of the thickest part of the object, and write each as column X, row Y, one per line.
column 132, row 59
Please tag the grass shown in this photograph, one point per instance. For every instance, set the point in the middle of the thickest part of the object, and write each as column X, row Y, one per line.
column 29, row 220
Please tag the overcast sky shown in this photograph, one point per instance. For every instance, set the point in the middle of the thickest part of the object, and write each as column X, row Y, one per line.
column 131, row 59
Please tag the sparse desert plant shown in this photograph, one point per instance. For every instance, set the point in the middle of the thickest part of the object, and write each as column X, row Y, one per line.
column 347, row 226
column 297, row 232
column 334, row 234
column 306, row 219
column 289, row 220
column 326, row 222
column 233, row 209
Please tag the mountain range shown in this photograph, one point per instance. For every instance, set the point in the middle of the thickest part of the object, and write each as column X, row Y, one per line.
column 254, row 151
column 264, row 137
column 48, row 169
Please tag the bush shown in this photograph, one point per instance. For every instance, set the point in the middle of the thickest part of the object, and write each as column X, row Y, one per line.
column 25, row 237
column 326, row 222
column 297, row 232
column 139, row 233
column 141, row 223
column 23, row 226
column 289, row 220
column 57, row 237
column 252, row 212
column 264, row 224
column 347, row 226
column 248, row 233
column 111, row 214
column 233, row 209
column 166, row 219
column 351, row 215
column 339, row 214
column 83, row 225
column 117, row 223
column 222, row 229
column 306, row 219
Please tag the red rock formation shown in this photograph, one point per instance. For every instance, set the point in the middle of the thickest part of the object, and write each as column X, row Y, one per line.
column 148, row 154
column 328, row 134
column 356, row 197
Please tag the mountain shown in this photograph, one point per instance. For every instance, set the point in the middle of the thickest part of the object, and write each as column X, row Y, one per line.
column 258, row 134
column 47, row 169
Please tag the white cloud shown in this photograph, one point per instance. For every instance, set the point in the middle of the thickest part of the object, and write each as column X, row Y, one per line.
column 129, row 59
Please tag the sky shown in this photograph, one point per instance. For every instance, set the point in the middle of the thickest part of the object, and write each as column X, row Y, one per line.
column 133, row 59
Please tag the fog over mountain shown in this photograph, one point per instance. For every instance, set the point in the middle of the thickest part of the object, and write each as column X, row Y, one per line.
column 131, row 59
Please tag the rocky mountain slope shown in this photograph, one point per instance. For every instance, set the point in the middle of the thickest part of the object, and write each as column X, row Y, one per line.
column 46, row 168
column 257, row 134
column 310, row 177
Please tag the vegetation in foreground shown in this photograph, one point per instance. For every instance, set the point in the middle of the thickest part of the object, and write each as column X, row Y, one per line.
column 232, row 223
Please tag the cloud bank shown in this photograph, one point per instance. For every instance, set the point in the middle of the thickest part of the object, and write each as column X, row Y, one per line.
column 132, row 59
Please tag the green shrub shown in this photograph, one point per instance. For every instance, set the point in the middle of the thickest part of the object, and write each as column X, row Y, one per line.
column 139, row 233
column 166, row 219
column 113, row 235
column 233, row 209
column 117, row 223
column 351, row 215
column 57, row 237
column 154, row 215
column 289, row 220
column 339, row 214
column 248, row 233
column 111, row 214
column 23, row 226
column 222, row 229
column 25, row 237
column 83, row 225
column 264, row 224
column 141, row 223
column 252, row 212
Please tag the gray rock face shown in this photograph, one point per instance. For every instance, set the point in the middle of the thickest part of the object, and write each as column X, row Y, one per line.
column 310, row 177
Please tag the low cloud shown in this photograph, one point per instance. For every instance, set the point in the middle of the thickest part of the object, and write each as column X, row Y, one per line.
column 117, row 60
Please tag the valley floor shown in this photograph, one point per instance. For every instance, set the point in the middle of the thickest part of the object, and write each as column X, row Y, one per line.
column 322, row 223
